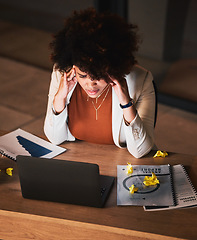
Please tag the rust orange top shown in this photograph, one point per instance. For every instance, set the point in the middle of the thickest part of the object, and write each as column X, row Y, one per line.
column 82, row 117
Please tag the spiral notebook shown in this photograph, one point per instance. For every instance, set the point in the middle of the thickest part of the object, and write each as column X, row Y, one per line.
column 161, row 194
column 20, row 142
column 185, row 193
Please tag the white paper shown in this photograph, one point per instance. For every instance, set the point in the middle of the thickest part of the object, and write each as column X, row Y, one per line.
column 20, row 142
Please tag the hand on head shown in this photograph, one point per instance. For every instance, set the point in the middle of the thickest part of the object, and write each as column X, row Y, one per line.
column 67, row 83
column 121, row 90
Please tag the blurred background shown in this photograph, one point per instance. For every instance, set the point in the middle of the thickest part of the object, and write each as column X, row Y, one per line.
column 168, row 50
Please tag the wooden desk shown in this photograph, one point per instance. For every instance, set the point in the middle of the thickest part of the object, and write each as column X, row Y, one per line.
column 29, row 219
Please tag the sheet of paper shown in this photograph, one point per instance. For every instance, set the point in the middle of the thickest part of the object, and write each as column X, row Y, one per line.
column 20, row 142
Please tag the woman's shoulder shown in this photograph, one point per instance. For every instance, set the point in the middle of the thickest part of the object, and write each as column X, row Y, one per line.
column 139, row 74
column 139, row 71
column 56, row 75
column 138, row 79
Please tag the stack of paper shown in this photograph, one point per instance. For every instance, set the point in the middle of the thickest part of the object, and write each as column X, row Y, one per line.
column 172, row 190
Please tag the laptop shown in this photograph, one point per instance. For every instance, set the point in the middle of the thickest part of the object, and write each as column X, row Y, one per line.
column 63, row 181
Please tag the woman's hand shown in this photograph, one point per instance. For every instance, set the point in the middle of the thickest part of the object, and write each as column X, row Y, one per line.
column 67, row 83
column 121, row 90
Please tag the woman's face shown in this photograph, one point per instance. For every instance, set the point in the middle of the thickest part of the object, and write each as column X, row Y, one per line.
column 93, row 88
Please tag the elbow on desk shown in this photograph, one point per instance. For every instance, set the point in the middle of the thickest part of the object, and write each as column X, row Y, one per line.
column 52, row 138
column 141, row 152
column 139, row 155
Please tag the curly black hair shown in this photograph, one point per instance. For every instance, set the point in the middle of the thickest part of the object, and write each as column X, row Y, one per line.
column 100, row 44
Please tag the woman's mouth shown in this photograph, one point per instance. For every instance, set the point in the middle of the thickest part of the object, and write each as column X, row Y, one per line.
column 92, row 92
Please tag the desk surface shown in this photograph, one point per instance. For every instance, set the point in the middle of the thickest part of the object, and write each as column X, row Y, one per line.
column 180, row 223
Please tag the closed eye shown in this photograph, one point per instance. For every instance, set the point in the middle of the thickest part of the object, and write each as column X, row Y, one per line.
column 82, row 75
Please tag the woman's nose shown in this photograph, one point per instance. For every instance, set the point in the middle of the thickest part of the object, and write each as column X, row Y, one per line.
column 92, row 82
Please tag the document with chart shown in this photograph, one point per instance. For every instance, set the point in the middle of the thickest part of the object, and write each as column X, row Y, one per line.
column 20, row 142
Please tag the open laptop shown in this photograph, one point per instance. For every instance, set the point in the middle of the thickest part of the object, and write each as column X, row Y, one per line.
column 63, row 181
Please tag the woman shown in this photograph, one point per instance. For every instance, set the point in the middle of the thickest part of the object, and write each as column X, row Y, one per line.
column 97, row 92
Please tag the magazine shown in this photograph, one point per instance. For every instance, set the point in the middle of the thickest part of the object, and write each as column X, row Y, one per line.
column 161, row 194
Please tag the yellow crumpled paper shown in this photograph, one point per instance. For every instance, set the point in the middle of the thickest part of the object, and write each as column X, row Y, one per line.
column 133, row 189
column 151, row 181
column 160, row 154
column 9, row 171
column 129, row 168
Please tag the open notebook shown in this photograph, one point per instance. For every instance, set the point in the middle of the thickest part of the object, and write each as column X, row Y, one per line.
column 185, row 193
